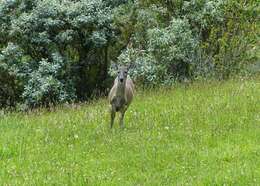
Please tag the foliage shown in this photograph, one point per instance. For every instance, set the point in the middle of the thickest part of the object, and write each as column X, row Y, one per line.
column 60, row 51
column 226, row 43
column 10, row 86
column 60, row 44
column 44, row 86
column 168, row 52
column 186, row 39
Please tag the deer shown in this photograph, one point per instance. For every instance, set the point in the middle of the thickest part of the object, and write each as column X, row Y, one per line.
column 121, row 95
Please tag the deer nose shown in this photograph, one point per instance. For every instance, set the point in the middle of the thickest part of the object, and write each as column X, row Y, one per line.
column 121, row 80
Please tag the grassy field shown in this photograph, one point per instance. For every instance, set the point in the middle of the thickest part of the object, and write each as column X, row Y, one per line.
column 201, row 134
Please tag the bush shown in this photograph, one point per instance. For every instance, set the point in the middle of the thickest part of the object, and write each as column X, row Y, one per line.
column 55, row 50
column 44, row 85
column 186, row 39
column 169, row 53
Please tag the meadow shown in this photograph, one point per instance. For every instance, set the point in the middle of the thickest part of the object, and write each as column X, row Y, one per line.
column 196, row 134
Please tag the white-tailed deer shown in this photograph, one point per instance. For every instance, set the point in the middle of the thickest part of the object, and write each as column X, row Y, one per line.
column 121, row 95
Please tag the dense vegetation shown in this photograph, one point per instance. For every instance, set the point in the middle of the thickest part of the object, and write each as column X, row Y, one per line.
column 57, row 51
column 203, row 134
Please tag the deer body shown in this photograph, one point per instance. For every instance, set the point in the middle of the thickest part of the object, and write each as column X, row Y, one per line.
column 121, row 95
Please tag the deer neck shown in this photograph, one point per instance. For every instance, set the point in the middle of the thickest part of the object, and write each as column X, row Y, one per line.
column 120, row 91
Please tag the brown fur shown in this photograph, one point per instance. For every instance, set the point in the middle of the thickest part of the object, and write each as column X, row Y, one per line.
column 121, row 95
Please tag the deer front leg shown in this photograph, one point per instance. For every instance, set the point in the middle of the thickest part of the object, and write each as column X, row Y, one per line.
column 122, row 114
column 113, row 114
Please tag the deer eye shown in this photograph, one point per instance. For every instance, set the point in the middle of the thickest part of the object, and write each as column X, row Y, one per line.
column 125, row 72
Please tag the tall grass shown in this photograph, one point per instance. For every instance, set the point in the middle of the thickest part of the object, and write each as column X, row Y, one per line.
column 201, row 134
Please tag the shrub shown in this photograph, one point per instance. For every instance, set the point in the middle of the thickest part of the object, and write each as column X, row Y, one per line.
column 173, row 40
column 60, row 49
column 169, row 53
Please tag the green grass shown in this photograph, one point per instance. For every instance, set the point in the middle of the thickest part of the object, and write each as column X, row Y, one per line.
column 202, row 134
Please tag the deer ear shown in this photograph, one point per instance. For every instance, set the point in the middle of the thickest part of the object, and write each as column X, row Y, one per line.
column 114, row 66
column 131, row 65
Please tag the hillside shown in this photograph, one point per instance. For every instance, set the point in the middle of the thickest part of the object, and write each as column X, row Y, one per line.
column 198, row 134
